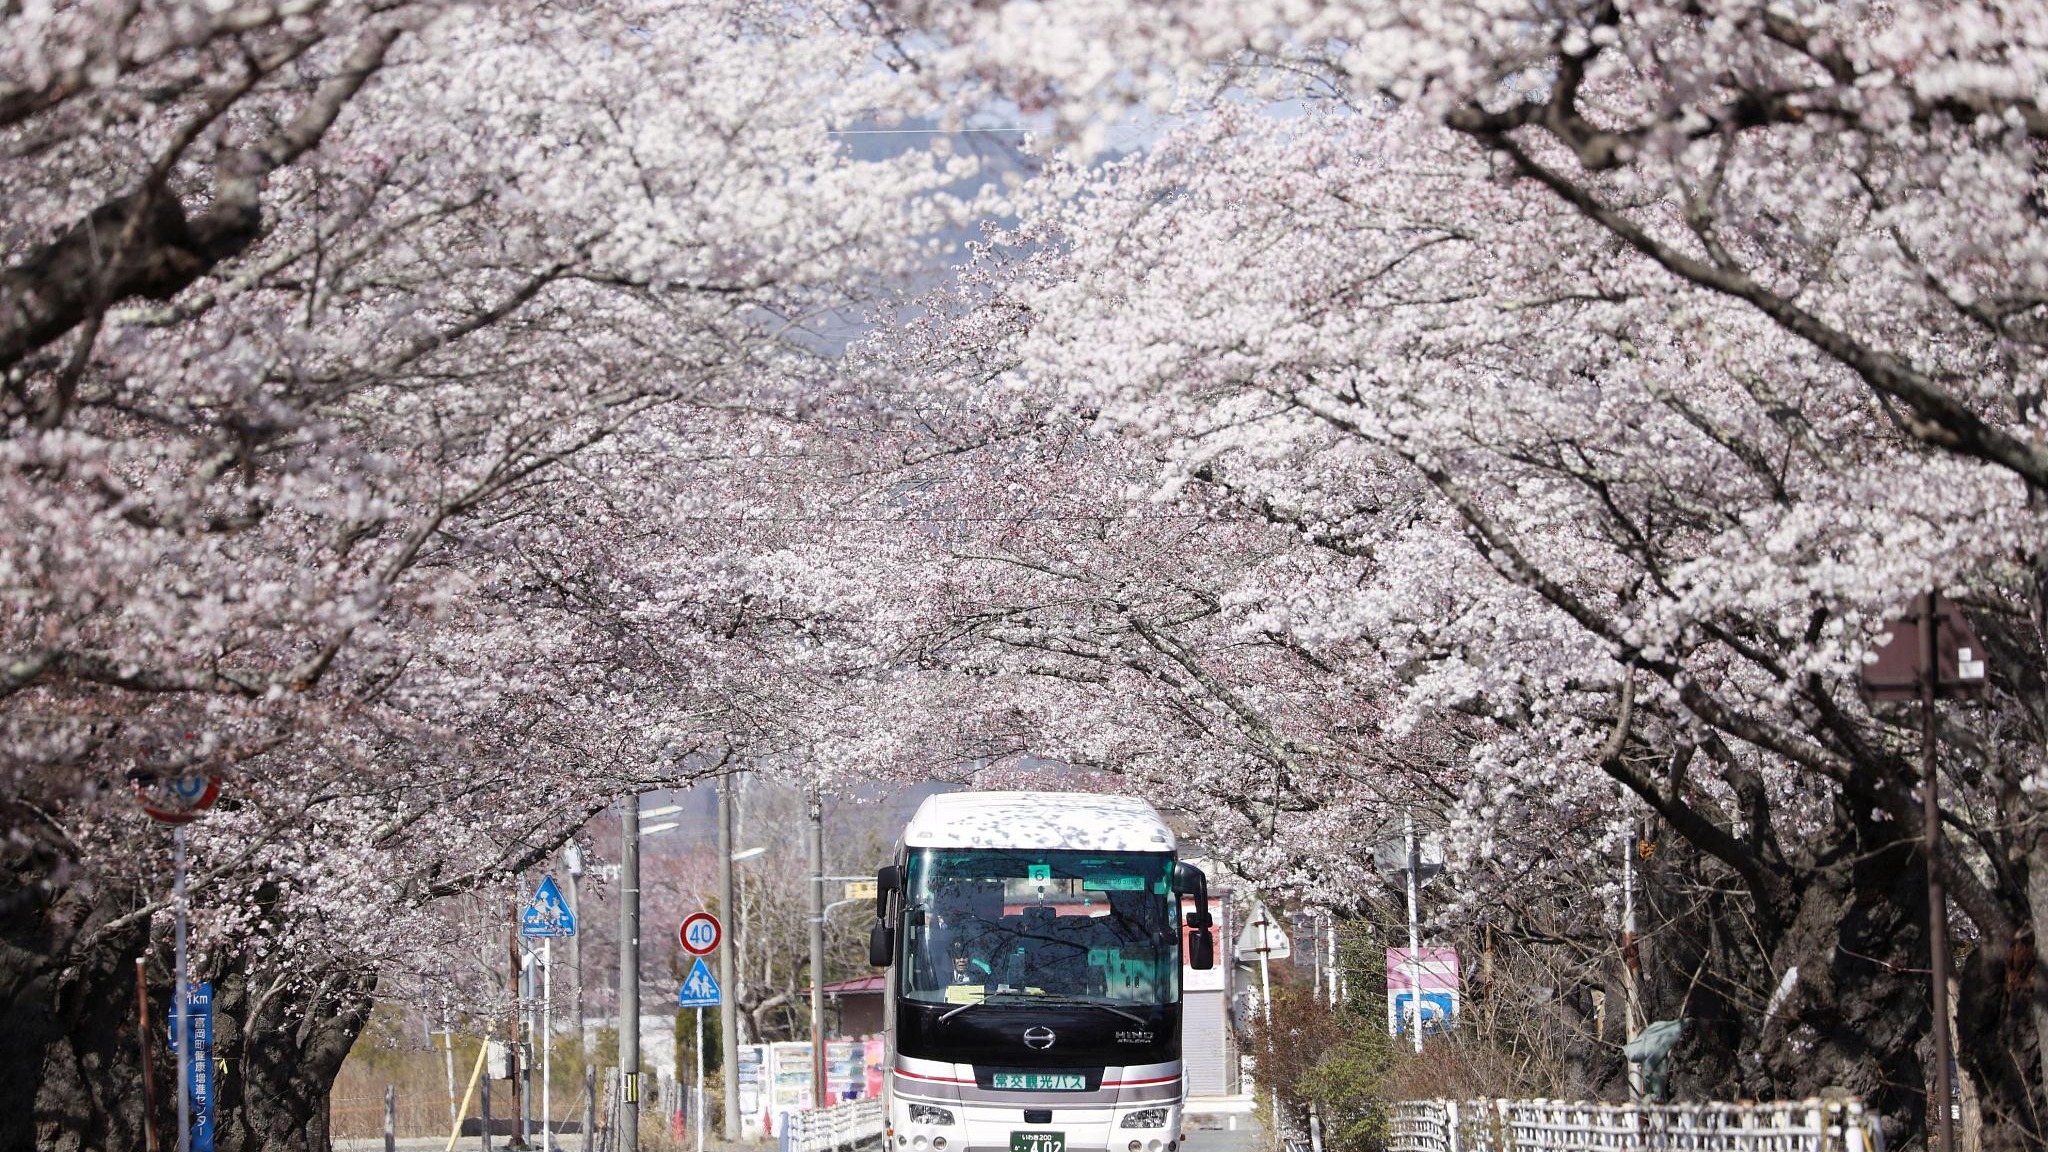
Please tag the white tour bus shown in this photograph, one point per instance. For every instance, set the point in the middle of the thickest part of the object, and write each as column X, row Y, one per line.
column 1034, row 945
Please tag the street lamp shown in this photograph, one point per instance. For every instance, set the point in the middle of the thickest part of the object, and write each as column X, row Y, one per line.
column 629, row 963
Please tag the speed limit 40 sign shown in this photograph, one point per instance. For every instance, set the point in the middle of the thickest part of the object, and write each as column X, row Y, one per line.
column 700, row 934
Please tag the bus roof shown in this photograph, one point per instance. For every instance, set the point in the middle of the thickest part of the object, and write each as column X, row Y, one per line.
column 1083, row 821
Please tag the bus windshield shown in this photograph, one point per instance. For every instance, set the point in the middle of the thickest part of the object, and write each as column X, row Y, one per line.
column 1024, row 923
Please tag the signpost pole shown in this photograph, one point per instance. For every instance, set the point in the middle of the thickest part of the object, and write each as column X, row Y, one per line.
column 1632, row 1019
column 629, row 976
column 697, row 1105
column 1907, row 666
column 1937, row 899
column 1263, row 921
column 183, row 992
column 816, row 840
column 547, row 1043
column 1414, row 938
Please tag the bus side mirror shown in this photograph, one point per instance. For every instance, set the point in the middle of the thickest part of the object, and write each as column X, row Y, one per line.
column 1201, row 949
column 882, row 937
column 1188, row 880
column 888, row 878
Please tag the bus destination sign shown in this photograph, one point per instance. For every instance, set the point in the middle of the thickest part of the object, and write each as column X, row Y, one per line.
column 1042, row 1081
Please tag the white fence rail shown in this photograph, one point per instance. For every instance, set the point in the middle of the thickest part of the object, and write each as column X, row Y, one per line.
column 840, row 1126
column 1557, row 1126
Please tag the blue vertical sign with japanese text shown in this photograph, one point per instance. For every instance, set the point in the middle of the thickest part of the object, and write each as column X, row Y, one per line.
column 199, row 1014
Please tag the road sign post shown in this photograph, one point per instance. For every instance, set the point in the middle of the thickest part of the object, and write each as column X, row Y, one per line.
column 1940, row 657
column 700, row 991
column 178, row 800
column 192, row 1024
column 545, row 917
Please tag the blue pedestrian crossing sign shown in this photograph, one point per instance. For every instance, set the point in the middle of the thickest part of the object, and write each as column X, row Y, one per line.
column 699, row 989
column 547, row 914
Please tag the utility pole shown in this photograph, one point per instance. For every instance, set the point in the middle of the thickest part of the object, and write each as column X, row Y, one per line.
column 817, row 853
column 572, row 862
column 728, row 1035
column 629, row 976
column 515, row 1068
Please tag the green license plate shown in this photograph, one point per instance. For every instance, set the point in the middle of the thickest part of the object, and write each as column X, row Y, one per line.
column 1042, row 1082
column 1038, row 1142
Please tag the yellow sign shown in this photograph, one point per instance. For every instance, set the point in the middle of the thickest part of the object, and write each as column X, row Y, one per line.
column 860, row 889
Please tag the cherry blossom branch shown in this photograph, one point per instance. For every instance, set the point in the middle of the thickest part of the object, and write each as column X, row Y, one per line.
column 143, row 244
column 1937, row 419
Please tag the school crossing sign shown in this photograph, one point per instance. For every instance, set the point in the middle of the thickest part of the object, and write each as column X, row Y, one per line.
column 547, row 915
column 699, row 989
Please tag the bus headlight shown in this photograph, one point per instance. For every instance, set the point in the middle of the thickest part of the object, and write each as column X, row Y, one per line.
column 927, row 1114
column 1145, row 1118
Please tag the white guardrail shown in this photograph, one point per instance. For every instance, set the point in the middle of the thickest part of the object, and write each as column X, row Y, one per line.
column 840, row 1126
column 1558, row 1126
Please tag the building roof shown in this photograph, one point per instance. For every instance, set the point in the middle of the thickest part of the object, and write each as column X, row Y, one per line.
column 1081, row 821
column 858, row 986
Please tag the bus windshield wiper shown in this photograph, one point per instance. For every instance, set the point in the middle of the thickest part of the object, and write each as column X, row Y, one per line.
column 1065, row 1001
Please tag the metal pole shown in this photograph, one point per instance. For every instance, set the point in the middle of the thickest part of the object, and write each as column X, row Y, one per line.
column 576, row 954
column 728, row 1032
column 1414, row 939
column 1937, row 900
column 148, row 1065
column 629, row 976
column 1316, row 955
column 1265, row 977
column 182, row 989
column 1632, row 1022
column 817, row 853
column 1266, row 1011
column 1330, row 927
column 547, row 1042
column 390, row 1118
column 524, row 1029
column 697, row 1105
column 515, row 1069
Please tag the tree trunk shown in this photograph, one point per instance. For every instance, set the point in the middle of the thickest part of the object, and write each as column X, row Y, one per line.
column 72, row 1079
column 282, row 1049
column 1856, row 1016
column 1999, row 1027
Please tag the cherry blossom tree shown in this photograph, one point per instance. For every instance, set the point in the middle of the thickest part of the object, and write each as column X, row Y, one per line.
column 347, row 348
column 1644, row 360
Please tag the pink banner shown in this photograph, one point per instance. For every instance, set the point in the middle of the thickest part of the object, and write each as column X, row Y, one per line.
column 1436, row 969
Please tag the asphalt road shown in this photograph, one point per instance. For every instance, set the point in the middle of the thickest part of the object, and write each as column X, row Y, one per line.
column 1233, row 1131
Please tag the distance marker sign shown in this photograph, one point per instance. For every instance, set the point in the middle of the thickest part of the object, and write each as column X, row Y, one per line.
column 700, row 934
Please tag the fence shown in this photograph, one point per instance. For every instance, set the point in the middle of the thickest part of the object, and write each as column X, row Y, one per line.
column 1557, row 1126
column 840, row 1126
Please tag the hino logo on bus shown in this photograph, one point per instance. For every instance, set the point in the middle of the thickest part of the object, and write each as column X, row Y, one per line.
column 1133, row 1036
column 1040, row 1038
